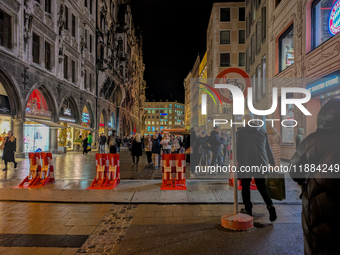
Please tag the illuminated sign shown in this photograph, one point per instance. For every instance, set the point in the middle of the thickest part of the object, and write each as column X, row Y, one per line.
column 323, row 85
column 67, row 120
column 67, row 111
column 163, row 114
column 334, row 19
column 86, row 117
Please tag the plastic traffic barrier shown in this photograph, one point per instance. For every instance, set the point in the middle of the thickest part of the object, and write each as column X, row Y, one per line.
column 108, row 172
column 173, row 172
column 41, row 171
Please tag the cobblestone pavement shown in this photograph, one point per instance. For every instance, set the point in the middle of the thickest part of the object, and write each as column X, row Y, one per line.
column 62, row 229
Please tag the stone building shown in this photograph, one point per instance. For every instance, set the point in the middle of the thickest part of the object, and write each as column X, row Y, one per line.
column 187, row 114
column 120, row 68
column 303, row 51
column 48, row 71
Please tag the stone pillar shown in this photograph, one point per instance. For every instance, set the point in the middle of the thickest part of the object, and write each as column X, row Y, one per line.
column 18, row 131
column 54, row 140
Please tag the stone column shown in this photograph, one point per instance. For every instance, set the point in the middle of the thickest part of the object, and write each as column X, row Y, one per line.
column 54, row 140
column 18, row 131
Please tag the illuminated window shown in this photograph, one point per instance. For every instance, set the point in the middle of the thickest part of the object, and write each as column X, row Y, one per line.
column 286, row 48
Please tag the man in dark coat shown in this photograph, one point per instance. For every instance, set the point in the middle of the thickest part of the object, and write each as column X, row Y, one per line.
column 253, row 149
column 111, row 142
column 85, row 141
column 10, row 147
column 320, row 188
column 215, row 145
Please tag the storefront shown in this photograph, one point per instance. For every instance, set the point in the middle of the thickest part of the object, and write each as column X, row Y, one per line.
column 38, row 123
column 5, row 113
column 102, row 124
column 67, row 118
column 322, row 90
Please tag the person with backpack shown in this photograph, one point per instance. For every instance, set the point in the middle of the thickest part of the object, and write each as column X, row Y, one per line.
column 111, row 143
column 89, row 142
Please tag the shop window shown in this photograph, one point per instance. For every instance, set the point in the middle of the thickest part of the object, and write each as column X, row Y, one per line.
column 73, row 26
column 48, row 6
column 225, row 37
column 225, row 15
column 66, row 18
column 65, row 67
column 241, row 14
column 322, row 22
column 73, row 66
column 149, row 129
column 37, row 105
column 241, row 36
column 241, row 59
column 36, row 137
column 36, row 48
column 47, row 56
column 224, row 59
column 286, row 49
column 5, row 30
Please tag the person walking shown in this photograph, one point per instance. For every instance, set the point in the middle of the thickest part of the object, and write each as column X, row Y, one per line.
column 205, row 149
column 9, row 149
column 275, row 143
column 156, row 149
column 102, row 142
column 124, row 141
column 89, row 142
column 166, row 143
column 136, row 151
column 175, row 147
column 299, row 137
column 118, row 143
column 253, row 149
column 320, row 189
column 215, row 145
column 148, row 149
column 111, row 142
column 85, row 144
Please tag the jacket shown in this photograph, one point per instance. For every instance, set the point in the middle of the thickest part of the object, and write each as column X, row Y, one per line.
column 148, row 144
column 156, row 145
column 215, row 142
column 136, row 148
column 90, row 138
column 169, row 143
column 321, row 190
column 299, row 137
column 102, row 140
column 253, row 149
column 9, row 149
column 109, row 139
column 85, row 142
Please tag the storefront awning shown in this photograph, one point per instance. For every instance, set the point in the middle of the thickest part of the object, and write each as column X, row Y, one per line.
column 81, row 127
column 46, row 123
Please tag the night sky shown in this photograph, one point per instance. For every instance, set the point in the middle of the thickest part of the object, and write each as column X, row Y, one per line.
column 174, row 32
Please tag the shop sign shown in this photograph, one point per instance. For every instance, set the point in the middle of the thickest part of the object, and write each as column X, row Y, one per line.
column 325, row 85
column 67, row 120
column 334, row 19
column 85, row 118
column 163, row 114
column 67, row 111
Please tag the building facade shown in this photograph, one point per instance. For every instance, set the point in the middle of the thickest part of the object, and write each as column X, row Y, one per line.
column 48, row 72
column 187, row 114
column 163, row 115
column 225, row 49
column 303, row 51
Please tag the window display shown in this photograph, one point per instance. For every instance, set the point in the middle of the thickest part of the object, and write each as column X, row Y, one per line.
column 37, row 105
column 286, row 48
column 323, row 22
column 101, row 124
column 65, row 136
column 36, row 137
column 288, row 132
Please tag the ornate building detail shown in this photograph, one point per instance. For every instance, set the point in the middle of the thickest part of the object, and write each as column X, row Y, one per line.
column 28, row 17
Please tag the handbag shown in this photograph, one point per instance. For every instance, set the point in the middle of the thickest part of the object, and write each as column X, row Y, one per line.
column 276, row 186
column 130, row 146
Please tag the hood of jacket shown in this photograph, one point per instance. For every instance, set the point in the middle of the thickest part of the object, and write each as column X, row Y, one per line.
column 300, row 131
column 329, row 115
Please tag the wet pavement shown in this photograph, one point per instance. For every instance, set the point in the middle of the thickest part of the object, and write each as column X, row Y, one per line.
column 57, row 228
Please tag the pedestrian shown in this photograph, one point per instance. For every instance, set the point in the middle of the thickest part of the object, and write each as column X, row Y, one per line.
column 226, row 142
column 166, row 143
column 89, row 142
column 85, row 144
column 118, row 143
column 156, row 149
column 275, row 143
column 195, row 142
column 229, row 144
column 215, row 142
column 111, row 142
column 175, row 147
column 9, row 149
column 320, row 189
column 136, row 150
column 205, row 149
column 299, row 137
column 148, row 149
column 102, row 142
column 253, row 149
column 124, row 141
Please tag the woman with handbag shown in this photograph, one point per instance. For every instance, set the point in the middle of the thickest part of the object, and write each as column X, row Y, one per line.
column 9, row 146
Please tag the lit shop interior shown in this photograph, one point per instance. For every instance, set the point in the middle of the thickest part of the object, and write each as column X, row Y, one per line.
column 5, row 113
